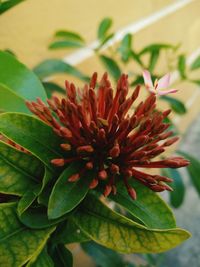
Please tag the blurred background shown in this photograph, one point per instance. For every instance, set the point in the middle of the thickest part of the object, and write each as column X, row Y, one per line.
column 29, row 28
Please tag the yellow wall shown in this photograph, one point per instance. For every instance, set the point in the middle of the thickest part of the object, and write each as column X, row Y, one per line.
column 27, row 29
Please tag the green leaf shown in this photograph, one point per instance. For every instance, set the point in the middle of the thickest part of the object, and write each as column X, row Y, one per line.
column 17, row 83
column 104, row 41
column 119, row 233
column 103, row 28
column 68, row 35
column 27, row 199
column 53, row 66
column 51, row 88
column 182, row 66
column 65, row 195
column 103, row 257
column 36, row 218
column 7, row 4
column 136, row 58
column 177, row 196
column 65, row 44
column 193, row 169
column 196, row 64
column 76, row 235
column 19, row 172
column 153, row 59
column 111, row 66
column 155, row 47
column 32, row 134
column 18, row 244
column 62, row 256
column 175, row 104
column 125, row 47
column 148, row 207
column 195, row 81
column 42, row 260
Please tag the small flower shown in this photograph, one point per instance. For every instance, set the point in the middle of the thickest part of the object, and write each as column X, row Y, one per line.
column 100, row 129
column 158, row 85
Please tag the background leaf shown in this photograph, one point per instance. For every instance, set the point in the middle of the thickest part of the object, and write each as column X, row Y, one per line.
column 111, row 66
column 177, row 196
column 51, row 88
column 119, row 233
column 125, row 47
column 103, row 257
column 103, row 28
column 6, row 5
column 65, row 44
column 175, row 104
column 69, row 35
column 196, row 64
column 18, row 82
column 193, row 170
column 182, row 66
column 50, row 67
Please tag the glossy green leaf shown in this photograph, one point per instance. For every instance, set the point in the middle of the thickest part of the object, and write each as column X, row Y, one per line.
column 54, row 66
column 111, row 66
column 148, row 207
column 103, row 28
column 51, row 88
column 103, row 257
column 32, row 134
column 62, row 256
column 125, row 47
column 42, row 260
column 65, row 195
column 182, row 66
column 36, row 218
column 177, row 196
column 17, row 83
column 27, row 199
column 76, row 235
column 19, row 172
column 155, row 47
column 119, row 233
column 65, row 44
column 6, row 5
column 69, row 35
column 176, row 105
column 18, row 244
column 9, row 101
column 193, row 169
column 196, row 64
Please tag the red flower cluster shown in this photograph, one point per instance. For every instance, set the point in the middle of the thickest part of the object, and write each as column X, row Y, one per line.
column 100, row 130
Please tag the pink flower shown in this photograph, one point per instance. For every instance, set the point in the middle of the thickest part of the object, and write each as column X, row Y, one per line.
column 158, row 85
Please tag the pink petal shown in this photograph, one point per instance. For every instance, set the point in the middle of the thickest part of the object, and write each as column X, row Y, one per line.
column 152, row 90
column 166, row 92
column 147, row 78
column 164, row 81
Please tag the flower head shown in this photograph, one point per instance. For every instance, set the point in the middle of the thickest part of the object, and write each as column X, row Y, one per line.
column 158, row 85
column 101, row 131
